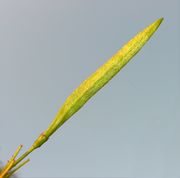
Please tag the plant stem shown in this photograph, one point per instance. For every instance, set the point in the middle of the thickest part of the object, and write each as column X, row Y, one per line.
column 22, row 157
column 18, row 167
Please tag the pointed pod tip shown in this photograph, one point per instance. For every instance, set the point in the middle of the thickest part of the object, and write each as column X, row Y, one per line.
column 154, row 26
column 161, row 19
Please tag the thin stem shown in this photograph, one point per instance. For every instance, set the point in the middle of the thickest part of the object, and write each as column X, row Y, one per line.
column 17, row 152
column 18, row 167
column 8, row 167
column 10, row 163
column 22, row 157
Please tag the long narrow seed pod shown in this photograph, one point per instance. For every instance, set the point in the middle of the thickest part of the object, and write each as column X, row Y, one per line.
column 94, row 83
column 97, row 80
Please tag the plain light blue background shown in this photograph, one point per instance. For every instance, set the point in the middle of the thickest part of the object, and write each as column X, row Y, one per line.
column 131, row 128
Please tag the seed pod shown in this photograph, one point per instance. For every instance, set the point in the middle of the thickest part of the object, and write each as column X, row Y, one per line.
column 97, row 80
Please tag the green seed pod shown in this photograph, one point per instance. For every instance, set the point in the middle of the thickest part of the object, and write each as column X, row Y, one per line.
column 97, row 80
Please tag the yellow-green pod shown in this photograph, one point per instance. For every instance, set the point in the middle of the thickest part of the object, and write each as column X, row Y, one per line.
column 97, row 80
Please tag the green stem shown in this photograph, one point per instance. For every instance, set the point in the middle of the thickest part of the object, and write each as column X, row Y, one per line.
column 18, row 167
column 22, row 157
